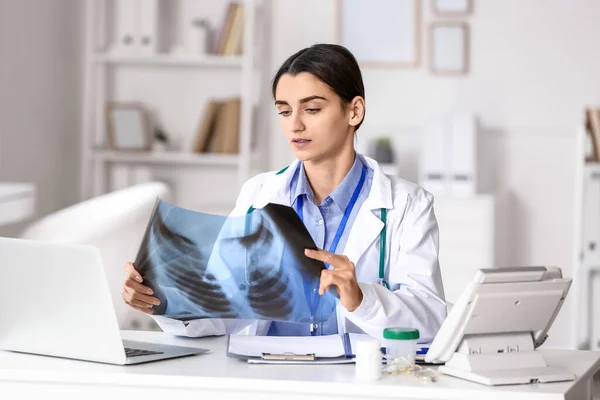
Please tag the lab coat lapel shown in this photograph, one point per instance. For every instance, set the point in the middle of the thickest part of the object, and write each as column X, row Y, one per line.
column 360, row 239
column 368, row 223
column 275, row 188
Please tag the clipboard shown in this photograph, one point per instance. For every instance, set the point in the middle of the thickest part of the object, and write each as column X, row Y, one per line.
column 288, row 357
column 330, row 349
column 300, row 362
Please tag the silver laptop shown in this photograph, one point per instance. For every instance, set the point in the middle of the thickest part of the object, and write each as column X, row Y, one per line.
column 56, row 301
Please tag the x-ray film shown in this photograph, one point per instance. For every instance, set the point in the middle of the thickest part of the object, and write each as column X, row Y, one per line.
column 250, row 267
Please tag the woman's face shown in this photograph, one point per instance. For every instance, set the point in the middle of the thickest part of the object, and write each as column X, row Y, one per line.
column 313, row 117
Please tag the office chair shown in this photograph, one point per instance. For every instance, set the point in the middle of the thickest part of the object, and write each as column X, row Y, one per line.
column 114, row 223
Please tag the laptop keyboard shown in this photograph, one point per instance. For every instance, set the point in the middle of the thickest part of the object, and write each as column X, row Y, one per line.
column 129, row 352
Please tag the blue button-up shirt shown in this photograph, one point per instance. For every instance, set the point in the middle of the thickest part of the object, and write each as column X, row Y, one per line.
column 322, row 221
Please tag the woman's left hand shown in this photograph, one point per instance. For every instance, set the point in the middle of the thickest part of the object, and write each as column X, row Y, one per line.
column 342, row 275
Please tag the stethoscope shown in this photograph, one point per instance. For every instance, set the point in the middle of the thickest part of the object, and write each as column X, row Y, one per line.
column 382, row 238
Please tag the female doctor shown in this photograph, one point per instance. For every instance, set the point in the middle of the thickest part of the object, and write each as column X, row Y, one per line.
column 378, row 234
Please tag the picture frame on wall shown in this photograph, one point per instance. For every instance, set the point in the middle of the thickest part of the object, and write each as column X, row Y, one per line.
column 128, row 127
column 450, row 8
column 380, row 33
column 449, row 48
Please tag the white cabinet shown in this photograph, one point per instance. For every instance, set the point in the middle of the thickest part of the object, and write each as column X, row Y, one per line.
column 139, row 51
column 467, row 237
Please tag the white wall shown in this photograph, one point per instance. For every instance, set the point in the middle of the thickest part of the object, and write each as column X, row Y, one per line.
column 533, row 69
column 40, row 69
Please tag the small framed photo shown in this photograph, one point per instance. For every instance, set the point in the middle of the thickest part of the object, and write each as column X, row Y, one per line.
column 449, row 48
column 452, row 7
column 128, row 127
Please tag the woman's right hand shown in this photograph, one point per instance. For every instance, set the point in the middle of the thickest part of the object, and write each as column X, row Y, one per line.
column 135, row 294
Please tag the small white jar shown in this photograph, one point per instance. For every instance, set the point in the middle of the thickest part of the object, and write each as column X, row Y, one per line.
column 400, row 346
column 199, row 37
column 368, row 360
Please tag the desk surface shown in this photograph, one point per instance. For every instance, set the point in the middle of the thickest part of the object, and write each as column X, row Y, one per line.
column 214, row 372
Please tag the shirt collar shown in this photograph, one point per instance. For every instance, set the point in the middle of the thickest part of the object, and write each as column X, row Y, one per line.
column 340, row 196
column 302, row 186
column 343, row 193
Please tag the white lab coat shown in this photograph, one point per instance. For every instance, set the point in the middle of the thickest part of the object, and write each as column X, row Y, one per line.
column 411, row 260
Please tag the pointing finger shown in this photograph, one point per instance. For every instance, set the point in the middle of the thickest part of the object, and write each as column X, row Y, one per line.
column 322, row 255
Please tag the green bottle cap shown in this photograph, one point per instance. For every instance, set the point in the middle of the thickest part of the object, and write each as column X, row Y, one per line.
column 401, row 333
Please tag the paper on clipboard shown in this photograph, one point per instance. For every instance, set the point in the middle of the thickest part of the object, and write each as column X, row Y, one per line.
column 327, row 349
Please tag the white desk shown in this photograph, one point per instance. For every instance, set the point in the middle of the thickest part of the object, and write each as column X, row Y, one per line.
column 216, row 376
column 17, row 202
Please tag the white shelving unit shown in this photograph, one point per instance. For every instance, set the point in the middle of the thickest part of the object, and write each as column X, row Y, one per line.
column 166, row 158
column 175, row 86
column 468, row 235
column 585, row 288
column 172, row 60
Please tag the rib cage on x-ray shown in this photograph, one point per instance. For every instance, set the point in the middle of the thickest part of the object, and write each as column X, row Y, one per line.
column 268, row 286
column 179, row 262
column 207, row 266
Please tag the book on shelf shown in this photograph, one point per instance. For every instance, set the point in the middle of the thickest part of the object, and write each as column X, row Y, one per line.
column 227, row 128
column 592, row 123
column 233, row 44
column 219, row 127
column 230, row 37
column 206, row 126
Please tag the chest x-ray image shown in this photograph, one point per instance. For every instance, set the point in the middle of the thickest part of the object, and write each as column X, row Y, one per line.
column 251, row 267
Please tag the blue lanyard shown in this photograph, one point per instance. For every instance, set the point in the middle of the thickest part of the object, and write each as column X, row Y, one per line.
column 314, row 297
column 344, row 221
